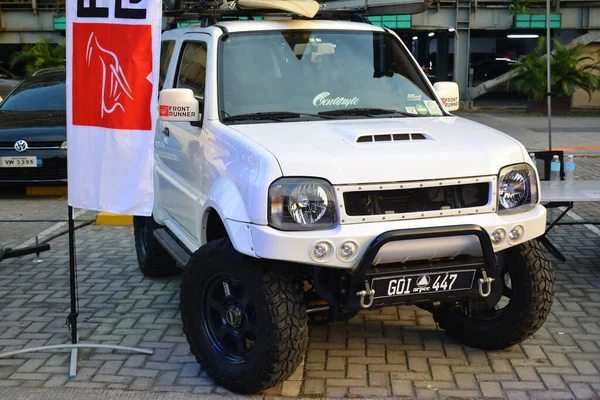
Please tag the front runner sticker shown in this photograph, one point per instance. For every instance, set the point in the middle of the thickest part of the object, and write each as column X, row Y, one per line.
column 421, row 109
column 411, row 110
column 433, row 107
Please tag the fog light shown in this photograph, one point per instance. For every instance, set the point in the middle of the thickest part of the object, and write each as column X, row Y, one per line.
column 516, row 233
column 498, row 236
column 348, row 251
column 321, row 251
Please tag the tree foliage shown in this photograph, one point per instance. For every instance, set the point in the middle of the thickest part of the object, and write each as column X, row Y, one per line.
column 43, row 54
column 570, row 69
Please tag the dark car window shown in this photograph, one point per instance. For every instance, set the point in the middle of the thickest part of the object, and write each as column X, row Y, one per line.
column 166, row 51
column 37, row 96
column 192, row 70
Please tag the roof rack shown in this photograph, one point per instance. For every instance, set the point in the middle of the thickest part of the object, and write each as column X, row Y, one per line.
column 210, row 12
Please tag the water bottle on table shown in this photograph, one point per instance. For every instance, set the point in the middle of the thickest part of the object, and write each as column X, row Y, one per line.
column 554, row 171
column 569, row 170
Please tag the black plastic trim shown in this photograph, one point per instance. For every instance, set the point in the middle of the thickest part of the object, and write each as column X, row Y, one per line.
column 172, row 246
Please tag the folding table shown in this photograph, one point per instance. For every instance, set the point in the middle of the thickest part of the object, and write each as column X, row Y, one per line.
column 562, row 194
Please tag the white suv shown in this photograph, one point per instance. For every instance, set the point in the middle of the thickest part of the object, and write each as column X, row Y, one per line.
column 306, row 170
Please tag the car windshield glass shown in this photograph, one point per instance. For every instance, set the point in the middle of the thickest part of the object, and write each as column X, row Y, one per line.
column 311, row 72
column 37, row 96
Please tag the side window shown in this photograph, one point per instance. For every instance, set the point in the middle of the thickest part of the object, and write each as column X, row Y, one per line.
column 192, row 68
column 166, row 51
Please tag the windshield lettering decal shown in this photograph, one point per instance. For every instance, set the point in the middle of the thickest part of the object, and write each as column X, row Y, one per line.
column 433, row 107
column 323, row 99
column 421, row 109
column 411, row 110
column 413, row 97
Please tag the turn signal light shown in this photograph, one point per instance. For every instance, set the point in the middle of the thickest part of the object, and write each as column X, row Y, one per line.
column 498, row 236
column 348, row 251
column 516, row 233
column 321, row 251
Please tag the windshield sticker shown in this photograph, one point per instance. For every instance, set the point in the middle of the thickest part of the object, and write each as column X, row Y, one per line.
column 411, row 110
column 323, row 99
column 421, row 109
column 433, row 107
column 413, row 97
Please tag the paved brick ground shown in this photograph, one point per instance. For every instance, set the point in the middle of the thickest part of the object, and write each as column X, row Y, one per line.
column 14, row 208
column 392, row 352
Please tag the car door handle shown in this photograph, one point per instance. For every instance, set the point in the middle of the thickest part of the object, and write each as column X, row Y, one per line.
column 165, row 131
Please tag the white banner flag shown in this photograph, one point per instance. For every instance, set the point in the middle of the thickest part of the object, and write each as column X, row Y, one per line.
column 112, row 89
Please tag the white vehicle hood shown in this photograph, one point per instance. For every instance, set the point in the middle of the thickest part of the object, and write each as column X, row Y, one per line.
column 453, row 147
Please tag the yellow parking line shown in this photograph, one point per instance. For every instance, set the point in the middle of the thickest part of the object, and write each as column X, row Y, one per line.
column 46, row 190
column 105, row 218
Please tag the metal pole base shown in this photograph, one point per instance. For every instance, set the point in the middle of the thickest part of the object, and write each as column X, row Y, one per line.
column 74, row 347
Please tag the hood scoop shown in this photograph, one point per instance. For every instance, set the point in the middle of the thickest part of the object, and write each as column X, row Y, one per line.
column 395, row 137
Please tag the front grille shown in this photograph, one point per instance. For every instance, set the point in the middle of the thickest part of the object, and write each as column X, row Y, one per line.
column 31, row 145
column 403, row 201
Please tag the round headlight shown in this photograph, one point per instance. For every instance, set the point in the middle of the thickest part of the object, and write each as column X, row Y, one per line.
column 513, row 189
column 308, row 203
column 301, row 204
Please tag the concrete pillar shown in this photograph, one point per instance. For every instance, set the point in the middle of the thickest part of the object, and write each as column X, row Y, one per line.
column 422, row 48
column 461, row 64
column 442, row 64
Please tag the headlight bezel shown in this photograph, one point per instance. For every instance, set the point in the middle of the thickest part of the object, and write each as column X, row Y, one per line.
column 278, row 215
column 532, row 186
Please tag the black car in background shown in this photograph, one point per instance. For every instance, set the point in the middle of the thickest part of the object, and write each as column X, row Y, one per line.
column 8, row 81
column 33, row 132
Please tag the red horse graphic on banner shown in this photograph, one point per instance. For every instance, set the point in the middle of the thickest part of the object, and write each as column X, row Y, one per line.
column 114, row 82
column 111, row 65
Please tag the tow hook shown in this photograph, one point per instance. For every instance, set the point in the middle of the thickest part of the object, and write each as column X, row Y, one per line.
column 371, row 293
column 485, row 281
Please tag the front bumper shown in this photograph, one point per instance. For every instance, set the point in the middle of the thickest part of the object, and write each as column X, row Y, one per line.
column 296, row 247
column 52, row 171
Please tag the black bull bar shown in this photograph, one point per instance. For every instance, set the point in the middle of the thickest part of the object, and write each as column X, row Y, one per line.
column 361, row 294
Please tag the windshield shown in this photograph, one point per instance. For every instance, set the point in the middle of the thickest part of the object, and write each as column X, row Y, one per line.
column 37, row 96
column 336, row 73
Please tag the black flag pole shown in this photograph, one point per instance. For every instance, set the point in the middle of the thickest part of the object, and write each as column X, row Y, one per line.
column 548, row 72
column 72, row 320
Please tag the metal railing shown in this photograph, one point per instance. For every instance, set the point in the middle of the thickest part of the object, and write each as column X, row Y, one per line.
column 54, row 5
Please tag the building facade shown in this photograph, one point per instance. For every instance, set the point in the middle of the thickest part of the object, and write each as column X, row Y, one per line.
column 468, row 41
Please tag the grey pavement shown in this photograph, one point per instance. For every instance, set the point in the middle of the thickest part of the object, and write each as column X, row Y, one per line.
column 532, row 131
column 394, row 352
column 49, row 208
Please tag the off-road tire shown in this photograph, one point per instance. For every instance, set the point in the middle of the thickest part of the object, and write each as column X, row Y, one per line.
column 153, row 259
column 280, row 317
column 532, row 280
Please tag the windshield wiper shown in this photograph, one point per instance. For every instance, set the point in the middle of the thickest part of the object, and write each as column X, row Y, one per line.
column 272, row 115
column 369, row 112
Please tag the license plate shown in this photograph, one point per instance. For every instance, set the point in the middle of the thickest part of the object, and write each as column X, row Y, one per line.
column 20, row 162
column 433, row 282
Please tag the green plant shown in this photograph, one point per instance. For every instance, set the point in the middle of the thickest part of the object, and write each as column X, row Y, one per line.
column 570, row 69
column 518, row 7
column 43, row 54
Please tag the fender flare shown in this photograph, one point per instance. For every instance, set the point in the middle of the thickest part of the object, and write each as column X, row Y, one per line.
column 226, row 200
